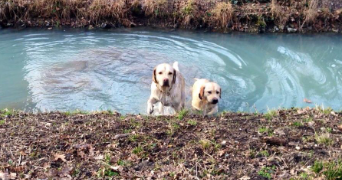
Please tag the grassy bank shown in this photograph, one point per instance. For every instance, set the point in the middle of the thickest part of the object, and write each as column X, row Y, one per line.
column 213, row 15
column 282, row 144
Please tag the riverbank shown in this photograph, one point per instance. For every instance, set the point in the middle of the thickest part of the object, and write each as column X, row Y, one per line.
column 282, row 144
column 223, row 16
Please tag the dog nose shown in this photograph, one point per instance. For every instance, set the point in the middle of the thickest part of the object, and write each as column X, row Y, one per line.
column 165, row 82
column 215, row 101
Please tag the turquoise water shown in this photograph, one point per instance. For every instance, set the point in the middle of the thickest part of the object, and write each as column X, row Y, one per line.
column 65, row 70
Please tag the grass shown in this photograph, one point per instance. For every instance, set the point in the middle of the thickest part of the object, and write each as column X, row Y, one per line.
column 324, row 139
column 137, row 150
column 317, row 167
column 192, row 122
column 205, row 143
column 311, row 12
column 155, row 8
column 2, row 122
column 6, row 113
column 264, row 153
column 297, row 124
column 266, row 172
column 306, row 120
column 331, row 170
column 182, row 114
column 265, row 130
column 270, row 114
column 329, row 129
column 70, row 113
column 223, row 13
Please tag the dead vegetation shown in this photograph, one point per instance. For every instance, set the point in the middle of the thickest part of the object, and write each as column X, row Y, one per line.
column 280, row 144
column 271, row 16
column 223, row 13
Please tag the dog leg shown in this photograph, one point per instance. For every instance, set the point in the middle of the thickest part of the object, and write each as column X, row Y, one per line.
column 213, row 111
column 150, row 103
column 161, row 109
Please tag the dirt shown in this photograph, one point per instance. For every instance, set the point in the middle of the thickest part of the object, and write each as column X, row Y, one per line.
column 281, row 144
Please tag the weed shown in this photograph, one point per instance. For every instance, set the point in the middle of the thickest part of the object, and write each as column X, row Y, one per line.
column 107, row 158
column 264, row 153
column 325, row 111
column 7, row 113
column 333, row 170
column 192, row 122
column 156, row 8
column 110, row 112
column 297, row 124
column 205, row 143
column 2, row 122
column 123, row 163
column 223, row 13
column 137, row 150
column 134, row 137
column 311, row 13
column 182, row 114
column 127, row 131
column 306, row 120
column 324, row 139
column 329, row 129
column 266, row 172
column 265, row 130
column 317, row 167
column 270, row 114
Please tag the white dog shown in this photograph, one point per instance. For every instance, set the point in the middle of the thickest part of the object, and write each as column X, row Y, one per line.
column 205, row 96
column 168, row 88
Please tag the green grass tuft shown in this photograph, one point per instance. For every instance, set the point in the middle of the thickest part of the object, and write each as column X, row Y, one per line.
column 182, row 114
column 270, row 114
column 266, row 172
column 192, row 122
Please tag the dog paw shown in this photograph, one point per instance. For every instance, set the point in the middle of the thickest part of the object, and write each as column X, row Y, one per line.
column 150, row 110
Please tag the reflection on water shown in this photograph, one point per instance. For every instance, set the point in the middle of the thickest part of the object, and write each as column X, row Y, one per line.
column 68, row 70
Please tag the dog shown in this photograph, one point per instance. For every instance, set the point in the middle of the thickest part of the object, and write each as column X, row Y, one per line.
column 206, row 96
column 168, row 88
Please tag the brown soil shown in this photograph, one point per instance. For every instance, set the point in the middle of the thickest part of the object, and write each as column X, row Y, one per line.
column 240, row 15
column 280, row 145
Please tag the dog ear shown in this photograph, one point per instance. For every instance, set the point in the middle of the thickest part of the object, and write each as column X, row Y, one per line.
column 220, row 93
column 174, row 77
column 154, row 77
column 201, row 94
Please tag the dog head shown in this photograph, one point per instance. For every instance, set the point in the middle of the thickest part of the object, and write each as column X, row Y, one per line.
column 210, row 92
column 164, row 75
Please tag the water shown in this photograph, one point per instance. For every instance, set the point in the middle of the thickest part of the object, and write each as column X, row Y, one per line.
column 66, row 70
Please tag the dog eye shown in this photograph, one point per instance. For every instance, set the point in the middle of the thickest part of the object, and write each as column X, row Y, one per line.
column 217, row 92
column 170, row 73
column 209, row 92
column 160, row 73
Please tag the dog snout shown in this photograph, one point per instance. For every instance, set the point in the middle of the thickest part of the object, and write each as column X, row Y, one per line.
column 215, row 101
column 166, row 82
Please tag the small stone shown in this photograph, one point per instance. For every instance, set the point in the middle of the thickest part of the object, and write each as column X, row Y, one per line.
column 223, row 143
column 291, row 30
column 297, row 147
column 311, row 123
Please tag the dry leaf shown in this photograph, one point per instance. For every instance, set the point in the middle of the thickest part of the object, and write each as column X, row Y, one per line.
column 340, row 127
column 99, row 157
column 245, row 178
column 307, row 100
column 59, row 156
